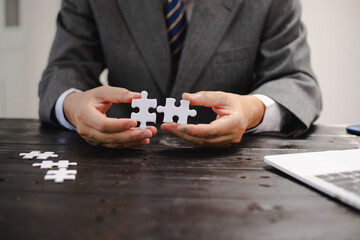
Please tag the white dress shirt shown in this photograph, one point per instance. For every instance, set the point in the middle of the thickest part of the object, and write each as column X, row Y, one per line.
column 273, row 119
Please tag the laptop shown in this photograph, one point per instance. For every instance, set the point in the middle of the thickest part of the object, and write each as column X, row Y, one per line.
column 336, row 173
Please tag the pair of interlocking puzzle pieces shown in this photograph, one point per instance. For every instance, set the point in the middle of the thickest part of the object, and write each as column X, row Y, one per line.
column 169, row 110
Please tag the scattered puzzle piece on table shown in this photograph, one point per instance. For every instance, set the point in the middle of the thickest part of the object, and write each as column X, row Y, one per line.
column 170, row 110
column 38, row 155
column 51, row 164
column 144, row 116
column 60, row 175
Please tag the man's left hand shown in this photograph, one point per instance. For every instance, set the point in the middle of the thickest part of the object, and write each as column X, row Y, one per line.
column 235, row 114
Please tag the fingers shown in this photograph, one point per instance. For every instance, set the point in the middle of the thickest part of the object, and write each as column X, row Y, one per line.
column 152, row 129
column 115, row 94
column 220, row 102
column 128, row 138
column 103, row 124
column 198, row 135
column 115, row 133
column 205, row 98
column 217, row 128
column 208, row 142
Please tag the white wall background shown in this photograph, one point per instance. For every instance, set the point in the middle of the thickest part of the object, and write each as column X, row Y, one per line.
column 334, row 36
column 23, row 55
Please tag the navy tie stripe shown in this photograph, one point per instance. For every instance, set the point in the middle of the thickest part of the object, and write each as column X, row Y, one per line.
column 176, row 28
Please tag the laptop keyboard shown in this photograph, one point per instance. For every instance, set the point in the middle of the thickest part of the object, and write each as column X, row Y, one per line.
column 347, row 180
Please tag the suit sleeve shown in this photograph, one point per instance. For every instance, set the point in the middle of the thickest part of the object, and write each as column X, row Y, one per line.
column 283, row 70
column 76, row 59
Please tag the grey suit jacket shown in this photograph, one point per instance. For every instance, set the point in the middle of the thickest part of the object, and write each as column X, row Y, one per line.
column 237, row 46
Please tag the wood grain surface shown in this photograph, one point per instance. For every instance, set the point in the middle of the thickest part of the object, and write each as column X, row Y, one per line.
column 167, row 190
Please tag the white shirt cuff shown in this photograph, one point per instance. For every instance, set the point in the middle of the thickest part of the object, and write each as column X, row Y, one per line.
column 59, row 111
column 274, row 116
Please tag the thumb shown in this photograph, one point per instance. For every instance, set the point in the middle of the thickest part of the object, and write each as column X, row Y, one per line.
column 115, row 94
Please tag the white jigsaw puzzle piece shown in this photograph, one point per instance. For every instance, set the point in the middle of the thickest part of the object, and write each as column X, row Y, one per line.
column 30, row 155
column 46, row 155
column 60, row 175
column 170, row 110
column 51, row 164
column 143, row 116
column 38, row 155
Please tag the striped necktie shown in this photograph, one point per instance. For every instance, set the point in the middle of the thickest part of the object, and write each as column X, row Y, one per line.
column 176, row 28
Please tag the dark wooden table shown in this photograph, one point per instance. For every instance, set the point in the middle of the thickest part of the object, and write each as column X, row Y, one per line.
column 167, row 190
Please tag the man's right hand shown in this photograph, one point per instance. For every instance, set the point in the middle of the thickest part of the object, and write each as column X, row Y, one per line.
column 86, row 111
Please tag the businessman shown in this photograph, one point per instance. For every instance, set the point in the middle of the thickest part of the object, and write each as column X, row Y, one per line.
column 244, row 64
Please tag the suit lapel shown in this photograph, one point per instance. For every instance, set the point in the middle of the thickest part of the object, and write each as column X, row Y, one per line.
column 145, row 20
column 208, row 24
